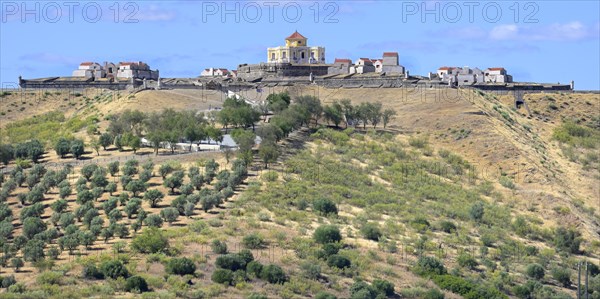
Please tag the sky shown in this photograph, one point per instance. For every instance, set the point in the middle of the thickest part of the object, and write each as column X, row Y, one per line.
column 543, row 41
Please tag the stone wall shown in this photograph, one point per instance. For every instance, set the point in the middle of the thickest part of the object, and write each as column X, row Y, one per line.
column 76, row 85
column 252, row 72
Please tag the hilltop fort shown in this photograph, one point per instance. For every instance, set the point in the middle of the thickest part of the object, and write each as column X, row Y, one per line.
column 296, row 62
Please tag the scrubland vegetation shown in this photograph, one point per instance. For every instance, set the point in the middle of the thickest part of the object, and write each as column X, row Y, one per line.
column 350, row 213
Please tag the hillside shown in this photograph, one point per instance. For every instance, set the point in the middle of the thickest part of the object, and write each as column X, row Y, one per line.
column 459, row 176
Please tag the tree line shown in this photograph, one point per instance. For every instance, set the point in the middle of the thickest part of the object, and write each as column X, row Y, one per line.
column 169, row 127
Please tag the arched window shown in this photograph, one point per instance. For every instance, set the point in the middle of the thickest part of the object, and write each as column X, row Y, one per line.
column 272, row 56
column 302, row 55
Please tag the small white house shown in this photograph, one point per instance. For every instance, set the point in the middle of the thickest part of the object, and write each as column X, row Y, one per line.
column 378, row 64
column 362, row 66
column 215, row 72
column 89, row 70
column 221, row 72
column 497, row 75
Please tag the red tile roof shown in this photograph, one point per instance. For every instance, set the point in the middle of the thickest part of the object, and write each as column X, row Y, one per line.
column 365, row 59
column 86, row 63
column 342, row 60
column 496, row 69
column 296, row 35
column 446, row 68
column 390, row 54
column 127, row 63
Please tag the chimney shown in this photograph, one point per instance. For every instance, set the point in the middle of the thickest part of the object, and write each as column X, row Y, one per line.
column 572, row 85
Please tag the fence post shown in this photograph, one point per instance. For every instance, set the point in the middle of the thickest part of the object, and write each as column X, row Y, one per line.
column 579, row 280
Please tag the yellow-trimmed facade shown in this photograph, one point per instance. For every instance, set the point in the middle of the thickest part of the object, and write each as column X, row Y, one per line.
column 297, row 51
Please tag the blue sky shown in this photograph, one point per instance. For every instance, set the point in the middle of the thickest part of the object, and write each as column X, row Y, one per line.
column 544, row 41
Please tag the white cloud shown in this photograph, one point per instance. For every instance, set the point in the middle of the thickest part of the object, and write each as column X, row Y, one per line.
column 572, row 31
column 559, row 32
column 504, row 32
column 154, row 13
column 50, row 58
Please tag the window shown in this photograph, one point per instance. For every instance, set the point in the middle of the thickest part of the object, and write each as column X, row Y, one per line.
column 284, row 55
column 272, row 56
column 302, row 55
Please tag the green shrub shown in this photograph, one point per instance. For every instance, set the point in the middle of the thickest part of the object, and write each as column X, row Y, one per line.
column 507, row 182
column 219, row 247
column 328, row 250
column 567, row 240
column 448, row 226
column 257, row 296
column 454, row 284
column 338, row 261
column 222, row 276
column 181, row 266
column 270, row 176
column 231, row 261
column 255, row 268
column 49, row 277
column 526, row 290
column 433, row 294
column 420, row 223
column 427, row 266
column 311, row 270
column 151, row 240
column 371, row 231
column 253, row 241
column 324, row 295
column 114, row 269
column 562, row 275
column 17, row 288
column 325, row 206
column 477, row 210
column 362, row 290
column 136, row 284
column 90, row 271
column 535, row 271
column 153, row 221
column 417, row 142
column 383, row 287
column 327, row 234
column 467, row 261
column 273, row 274
column 6, row 282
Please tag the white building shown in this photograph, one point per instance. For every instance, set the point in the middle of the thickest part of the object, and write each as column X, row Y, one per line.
column 126, row 70
column 497, row 75
column 215, row 72
column 89, row 70
column 362, row 66
column 378, row 64
column 468, row 76
column 138, row 70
